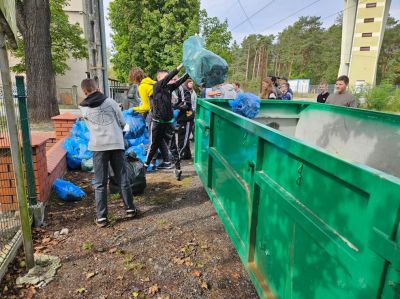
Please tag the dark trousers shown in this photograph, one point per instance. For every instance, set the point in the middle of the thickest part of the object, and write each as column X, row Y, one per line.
column 116, row 158
column 160, row 133
column 184, row 130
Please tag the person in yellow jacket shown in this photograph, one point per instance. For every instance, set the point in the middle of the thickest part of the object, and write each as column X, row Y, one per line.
column 145, row 91
column 137, row 76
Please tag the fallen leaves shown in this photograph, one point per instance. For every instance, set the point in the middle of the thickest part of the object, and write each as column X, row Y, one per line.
column 203, row 284
column 87, row 246
column 81, row 291
column 196, row 273
column 180, row 261
column 90, row 275
column 153, row 289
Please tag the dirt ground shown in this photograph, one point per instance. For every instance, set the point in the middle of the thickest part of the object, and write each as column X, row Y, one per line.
column 177, row 248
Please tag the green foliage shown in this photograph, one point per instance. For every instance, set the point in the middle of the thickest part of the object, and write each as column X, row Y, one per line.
column 216, row 35
column 384, row 97
column 149, row 34
column 66, row 40
column 389, row 58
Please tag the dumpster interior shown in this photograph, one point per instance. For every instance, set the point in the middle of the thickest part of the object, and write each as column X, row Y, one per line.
column 357, row 136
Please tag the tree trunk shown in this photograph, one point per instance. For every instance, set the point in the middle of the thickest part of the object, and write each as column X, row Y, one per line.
column 33, row 19
column 260, row 56
column 291, row 66
column 247, row 66
column 254, row 65
column 266, row 63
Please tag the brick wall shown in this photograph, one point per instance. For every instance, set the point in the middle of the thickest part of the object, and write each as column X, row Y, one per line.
column 63, row 124
column 47, row 167
column 8, row 194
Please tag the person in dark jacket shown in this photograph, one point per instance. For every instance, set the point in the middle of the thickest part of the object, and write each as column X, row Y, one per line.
column 184, row 120
column 162, row 113
column 324, row 94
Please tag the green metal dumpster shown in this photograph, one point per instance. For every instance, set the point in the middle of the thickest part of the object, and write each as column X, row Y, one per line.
column 309, row 194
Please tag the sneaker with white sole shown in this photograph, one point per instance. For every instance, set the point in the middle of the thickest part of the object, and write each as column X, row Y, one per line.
column 178, row 174
column 102, row 222
column 132, row 213
column 165, row 165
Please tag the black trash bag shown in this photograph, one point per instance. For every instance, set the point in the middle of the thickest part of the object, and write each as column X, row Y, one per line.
column 136, row 175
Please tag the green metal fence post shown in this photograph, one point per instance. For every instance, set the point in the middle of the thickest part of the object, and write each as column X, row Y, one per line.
column 26, row 139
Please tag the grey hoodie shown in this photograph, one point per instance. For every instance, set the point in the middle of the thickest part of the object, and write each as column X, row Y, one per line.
column 105, row 123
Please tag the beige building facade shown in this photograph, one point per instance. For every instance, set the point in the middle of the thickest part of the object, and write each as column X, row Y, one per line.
column 364, row 24
column 89, row 15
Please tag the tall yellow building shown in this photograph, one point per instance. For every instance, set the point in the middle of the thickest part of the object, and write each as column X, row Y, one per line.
column 364, row 24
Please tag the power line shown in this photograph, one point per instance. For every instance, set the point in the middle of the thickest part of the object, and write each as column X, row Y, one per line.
column 254, row 14
column 291, row 15
column 247, row 17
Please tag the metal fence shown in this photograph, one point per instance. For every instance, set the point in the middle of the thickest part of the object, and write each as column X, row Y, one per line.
column 118, row 92
column 10, row 223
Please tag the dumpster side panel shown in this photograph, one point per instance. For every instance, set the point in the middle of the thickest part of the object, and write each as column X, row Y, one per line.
column 305, row 223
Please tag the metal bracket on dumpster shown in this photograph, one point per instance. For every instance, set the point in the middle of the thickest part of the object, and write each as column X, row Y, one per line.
column 385, row 247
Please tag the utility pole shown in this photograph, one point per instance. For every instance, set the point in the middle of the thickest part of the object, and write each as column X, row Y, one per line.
column 16, row 153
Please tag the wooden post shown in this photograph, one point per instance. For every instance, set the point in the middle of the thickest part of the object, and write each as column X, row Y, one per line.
column 16, row 153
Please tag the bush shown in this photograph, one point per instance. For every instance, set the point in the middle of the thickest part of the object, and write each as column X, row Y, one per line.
column 384, row 97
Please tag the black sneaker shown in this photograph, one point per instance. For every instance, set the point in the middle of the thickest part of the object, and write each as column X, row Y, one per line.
column 132, row 213
column 178, row 174
column 102, row 222
column 165, row 165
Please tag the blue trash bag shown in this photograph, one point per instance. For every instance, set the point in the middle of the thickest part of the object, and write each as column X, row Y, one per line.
column 246, row 104
column 136, row 141
column 139, row 150
column 80, row 130
column 71, row 145
column 136, row 122
column 83, row 152
column 67, row 191
column 73, row 161
column 206, row 68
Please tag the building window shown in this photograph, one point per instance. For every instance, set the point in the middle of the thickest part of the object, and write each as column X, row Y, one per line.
column 368, row 20
column 367, row 34
column 371, row 5
column 365, row 48
column 92, row 38
column 94, row 58
column 90, row 7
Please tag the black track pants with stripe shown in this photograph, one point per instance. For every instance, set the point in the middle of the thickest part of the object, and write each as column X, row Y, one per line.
column 184, row 130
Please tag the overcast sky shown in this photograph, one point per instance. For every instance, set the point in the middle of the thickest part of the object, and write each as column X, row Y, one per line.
column 270, row 20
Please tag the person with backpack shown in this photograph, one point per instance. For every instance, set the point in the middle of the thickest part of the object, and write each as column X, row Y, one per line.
column 105, row 123
column 162, row 128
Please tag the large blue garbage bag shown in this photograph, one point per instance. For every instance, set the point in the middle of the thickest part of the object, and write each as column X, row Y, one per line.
column 67, row 191
column 72, row 146
column 136, row 122
column 80, row 130
column 246, row 104
column 206, row 68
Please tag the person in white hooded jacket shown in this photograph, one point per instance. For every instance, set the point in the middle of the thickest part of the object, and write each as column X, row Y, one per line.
column 105, row 122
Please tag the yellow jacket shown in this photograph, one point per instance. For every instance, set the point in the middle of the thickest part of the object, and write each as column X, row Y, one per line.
column 145, row 92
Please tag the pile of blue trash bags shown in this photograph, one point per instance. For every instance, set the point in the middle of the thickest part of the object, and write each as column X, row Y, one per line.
column 78, row 155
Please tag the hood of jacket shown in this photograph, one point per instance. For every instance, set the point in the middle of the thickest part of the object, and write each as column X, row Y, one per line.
column 147, row 81
column 94, row 100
